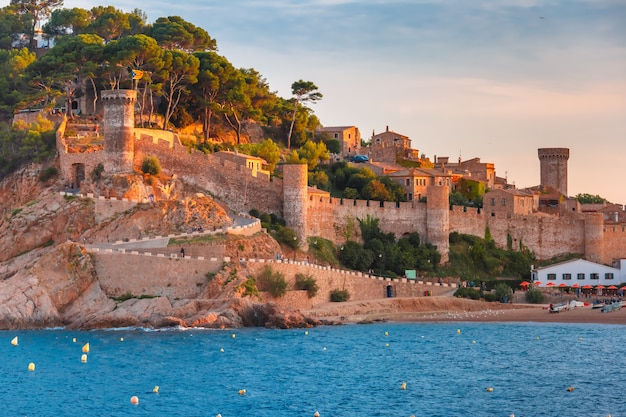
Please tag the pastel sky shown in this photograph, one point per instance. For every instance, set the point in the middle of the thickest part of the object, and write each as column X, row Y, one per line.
column 494, row 79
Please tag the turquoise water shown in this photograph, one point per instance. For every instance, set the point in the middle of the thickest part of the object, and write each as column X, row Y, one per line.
column 354, row 370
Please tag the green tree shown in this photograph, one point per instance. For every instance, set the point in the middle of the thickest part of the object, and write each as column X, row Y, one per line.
column 269, row 151
column 303, row 91
column 11, row 25
column 175, row 33
column 35, row 11
column 376, row 190
column 67, row 22
column 180, row 70
column 589, row 199
column 109, row 23
column 313, row 153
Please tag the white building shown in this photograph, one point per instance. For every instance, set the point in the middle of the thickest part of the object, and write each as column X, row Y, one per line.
column 581, row 272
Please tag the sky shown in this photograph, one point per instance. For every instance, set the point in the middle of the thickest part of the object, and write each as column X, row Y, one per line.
column 493, row 79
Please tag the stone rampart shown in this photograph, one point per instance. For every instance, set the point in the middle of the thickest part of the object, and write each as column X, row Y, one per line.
column 120, row 273
column 360, row 286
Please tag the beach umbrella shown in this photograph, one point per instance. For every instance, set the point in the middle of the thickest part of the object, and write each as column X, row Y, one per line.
column 524, row 283
column 587, row 287
column 538, row 282
column 562, row 285
column 550, row 284
column 612, row 287
column 576, row 286
column 600, row 287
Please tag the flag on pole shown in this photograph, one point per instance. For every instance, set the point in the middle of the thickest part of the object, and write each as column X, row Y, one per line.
column 137, row 74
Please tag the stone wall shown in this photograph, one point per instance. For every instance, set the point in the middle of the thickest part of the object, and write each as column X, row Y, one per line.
column 360, row 286
column 140, row 274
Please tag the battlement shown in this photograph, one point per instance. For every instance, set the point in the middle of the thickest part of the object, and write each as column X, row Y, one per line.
column 553, row 153
column 124, row 97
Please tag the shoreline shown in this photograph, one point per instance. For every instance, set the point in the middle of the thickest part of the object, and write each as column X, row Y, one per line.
column 449, row 309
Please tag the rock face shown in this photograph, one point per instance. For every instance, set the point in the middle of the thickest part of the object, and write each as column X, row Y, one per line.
column 49, row 279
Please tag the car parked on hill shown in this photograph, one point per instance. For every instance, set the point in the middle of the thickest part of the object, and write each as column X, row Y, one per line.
column 360, row 158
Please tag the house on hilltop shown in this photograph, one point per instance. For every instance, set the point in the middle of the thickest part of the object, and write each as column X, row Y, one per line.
column 415, row 181
column 507, row 203
column 389, row 146
column 255, row 164
column 349, row 138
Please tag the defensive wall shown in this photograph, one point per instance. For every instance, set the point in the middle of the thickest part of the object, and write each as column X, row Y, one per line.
column 311, row 215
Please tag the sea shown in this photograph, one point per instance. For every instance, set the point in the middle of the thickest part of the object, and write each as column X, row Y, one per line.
column 381, row 369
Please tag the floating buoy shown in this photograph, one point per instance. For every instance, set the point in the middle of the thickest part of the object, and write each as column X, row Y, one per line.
column 221, row 349
column 306, row 333
column 580, row 338
column 83, row 358
column 134, row 400
column 570, row 389
column 324, row 349
column 386, row 333
column 234, row 335
column 403, row 386
column 121, row 339
column 74, row 340
column 458, row 331
column 489, row 389
column 387, row 344
column 219, row 415
column 86, row 348
column 537, row 338
column 473, row 342
column 242, row 392
column 31, row 366
column 14, row 341
column 155, row 389
column 316, row 414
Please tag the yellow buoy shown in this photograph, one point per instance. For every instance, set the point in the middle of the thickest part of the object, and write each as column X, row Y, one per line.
column 489, row 389
column 121, row 339
column 458, row 331
column 234, row 335
column 14, row 341
column 83, row 358
column 306, row 333
column 387, row 344
column 86, row 348
column 74, row 340
column 386, row 333
column 242, row 392
column 155, row 389
column 134, row 400
column 570, row 389
column 403, row 386
column 31, row 366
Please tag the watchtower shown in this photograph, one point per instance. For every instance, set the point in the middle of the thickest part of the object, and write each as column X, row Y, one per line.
column 295, row 193
column 554, row 168
column 119, row 125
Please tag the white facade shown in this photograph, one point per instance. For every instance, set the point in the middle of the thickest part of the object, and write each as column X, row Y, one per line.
column 581, row 272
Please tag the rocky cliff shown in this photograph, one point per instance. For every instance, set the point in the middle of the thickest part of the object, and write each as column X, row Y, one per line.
column 48, row 278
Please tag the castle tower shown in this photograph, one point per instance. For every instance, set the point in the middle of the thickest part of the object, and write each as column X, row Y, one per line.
column 119, row 125
column 594, row 237
column 438, row 219
column 295, row 197
column 554, row 168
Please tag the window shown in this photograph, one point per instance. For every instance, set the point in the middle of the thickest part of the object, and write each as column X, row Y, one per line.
column 336, row 135
column 593, row 275
column 608, row 275
column 504, row 202
column 567, row 277
column 581, row 276
column 408, row 182
column 493, row 201
column 410, row 197
column 551, row 277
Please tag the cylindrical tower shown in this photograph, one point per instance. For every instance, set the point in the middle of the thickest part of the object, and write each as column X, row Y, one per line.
column 295, row 200
column 554, row 168
column 438, row 219
column 594, row 237
column 119, row 125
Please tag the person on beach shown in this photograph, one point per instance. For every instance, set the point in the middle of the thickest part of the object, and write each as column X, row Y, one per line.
column 182, row 252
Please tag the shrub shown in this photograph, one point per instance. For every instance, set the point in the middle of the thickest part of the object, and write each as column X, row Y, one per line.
column 96, row 174
column 48, row 173
column 308, row 283
column 338, row 296
column 466, row 292
column 272, row 282
column 491, row 297
column 151, row 165
column 504, row 293
column 249, row 287
column 534, row 296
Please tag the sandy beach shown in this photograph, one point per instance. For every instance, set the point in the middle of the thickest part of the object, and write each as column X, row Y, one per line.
column 450, row 309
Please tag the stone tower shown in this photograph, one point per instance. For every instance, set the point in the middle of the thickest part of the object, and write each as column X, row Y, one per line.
column 438, row 219
column 119, row 125
column 295, row 194
column 554, row 168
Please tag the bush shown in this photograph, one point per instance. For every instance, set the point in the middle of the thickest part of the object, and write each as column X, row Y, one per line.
column 534, row 296
column 491, row 297
column 338, row 296
column 249, row 287
column 96, row 174
column 504, row 293
column 308, row 283
column 466, row 292
column 48, row 173
column 272, row 282
column 151, row 165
